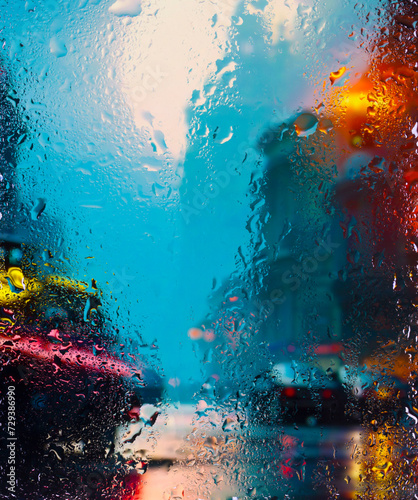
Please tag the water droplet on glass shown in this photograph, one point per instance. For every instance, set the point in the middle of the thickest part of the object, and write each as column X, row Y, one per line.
column 305, row 124
column 130, row 8
column 38, row 208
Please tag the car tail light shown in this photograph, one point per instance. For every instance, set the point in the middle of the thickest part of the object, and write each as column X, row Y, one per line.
column 289, row 392
column 131, row 487
column 326, row 394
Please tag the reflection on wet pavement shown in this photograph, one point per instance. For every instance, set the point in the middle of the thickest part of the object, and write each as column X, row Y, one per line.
column 297, row 462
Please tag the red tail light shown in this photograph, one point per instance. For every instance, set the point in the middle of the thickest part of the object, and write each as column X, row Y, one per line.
column 289, row 392
column 326, row 394
column 131, row 487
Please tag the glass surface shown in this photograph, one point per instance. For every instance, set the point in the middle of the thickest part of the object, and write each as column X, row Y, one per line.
column 208, row 240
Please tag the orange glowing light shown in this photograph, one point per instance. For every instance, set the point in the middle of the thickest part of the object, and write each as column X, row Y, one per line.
column 195, row 333
column 367, row 114
column 209, row 335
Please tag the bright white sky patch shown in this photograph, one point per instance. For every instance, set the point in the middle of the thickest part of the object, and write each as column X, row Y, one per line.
column 182, row 41
column 171, row 50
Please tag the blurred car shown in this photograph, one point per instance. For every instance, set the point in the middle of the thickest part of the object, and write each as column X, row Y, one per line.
column 298, row 393
column 379, row 399
column 69, row 388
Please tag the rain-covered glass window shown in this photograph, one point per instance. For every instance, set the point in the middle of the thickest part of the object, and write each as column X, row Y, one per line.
column 208, row 249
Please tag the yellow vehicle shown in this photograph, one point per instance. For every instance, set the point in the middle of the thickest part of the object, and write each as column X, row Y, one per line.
column 69, row 391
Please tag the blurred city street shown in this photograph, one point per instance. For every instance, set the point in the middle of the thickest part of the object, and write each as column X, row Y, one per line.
column 208, row 250
column 298, row 462
column 315, row 456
